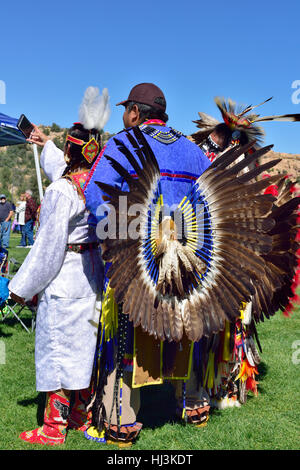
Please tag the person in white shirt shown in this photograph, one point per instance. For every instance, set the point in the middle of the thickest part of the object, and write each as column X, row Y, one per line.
column 20, row 219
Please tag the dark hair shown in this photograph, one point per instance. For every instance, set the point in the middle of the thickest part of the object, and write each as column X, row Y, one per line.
column 223, row 130
column 147, row 112
column 75, row 155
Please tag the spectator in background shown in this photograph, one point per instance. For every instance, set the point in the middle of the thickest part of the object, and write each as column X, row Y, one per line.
column 30, row 216
column 13, row 206
column 6, row 214
column 20, row 216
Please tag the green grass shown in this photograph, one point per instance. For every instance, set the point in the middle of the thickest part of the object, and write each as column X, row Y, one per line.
column 269, row 421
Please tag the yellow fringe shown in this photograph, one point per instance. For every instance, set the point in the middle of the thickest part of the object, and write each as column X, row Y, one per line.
column 109, row 314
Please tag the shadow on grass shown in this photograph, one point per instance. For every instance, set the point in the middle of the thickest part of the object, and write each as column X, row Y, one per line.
column 13, row 321
column 4, row 335
column 38, row 400
column 158, row 405
column 262, row 374
column 262, row 370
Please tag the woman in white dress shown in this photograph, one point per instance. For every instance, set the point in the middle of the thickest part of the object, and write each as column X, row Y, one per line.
column 65, row 269
column 20, row 218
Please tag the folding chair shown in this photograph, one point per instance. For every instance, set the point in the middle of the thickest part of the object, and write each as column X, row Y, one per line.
column 3, row 259
column 10, row 306
column 12, row 266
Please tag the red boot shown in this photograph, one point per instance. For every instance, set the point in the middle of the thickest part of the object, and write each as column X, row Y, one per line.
column 79, row 419
column 54, row 429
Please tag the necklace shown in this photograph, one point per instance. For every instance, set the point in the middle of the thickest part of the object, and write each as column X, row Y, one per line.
column 158, row 122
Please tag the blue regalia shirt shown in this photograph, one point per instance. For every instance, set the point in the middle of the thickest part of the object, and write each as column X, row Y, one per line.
column 181, row 162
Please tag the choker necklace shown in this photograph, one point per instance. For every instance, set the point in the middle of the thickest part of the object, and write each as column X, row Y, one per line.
column 212, row 143
column 157, row 122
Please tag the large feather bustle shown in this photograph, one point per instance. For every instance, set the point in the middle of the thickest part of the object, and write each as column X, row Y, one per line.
column 94, row 110
column 283, row 258
column 238, row 259
column 239, row 118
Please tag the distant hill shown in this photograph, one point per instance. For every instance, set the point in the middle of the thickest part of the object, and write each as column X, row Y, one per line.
column 290, row 164
column 17, row 167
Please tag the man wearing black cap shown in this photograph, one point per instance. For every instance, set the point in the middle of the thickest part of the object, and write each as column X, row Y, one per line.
column 145, row 101
column 146, row 107
column 181, row 162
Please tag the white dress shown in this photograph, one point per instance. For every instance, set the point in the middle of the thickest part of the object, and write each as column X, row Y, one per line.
column 67, row 284
column 20, row 212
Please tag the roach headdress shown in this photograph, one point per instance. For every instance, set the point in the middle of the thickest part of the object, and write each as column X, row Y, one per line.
column 237, row 119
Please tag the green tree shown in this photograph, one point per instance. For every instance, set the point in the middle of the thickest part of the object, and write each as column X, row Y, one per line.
column 33, row 185
column 55, row 127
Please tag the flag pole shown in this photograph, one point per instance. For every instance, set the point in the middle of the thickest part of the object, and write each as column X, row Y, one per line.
column 38, row 171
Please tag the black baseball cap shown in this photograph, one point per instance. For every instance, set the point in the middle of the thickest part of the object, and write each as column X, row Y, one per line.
column 147, row 93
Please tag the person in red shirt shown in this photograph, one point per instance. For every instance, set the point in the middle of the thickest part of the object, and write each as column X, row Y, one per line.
column 30, row 216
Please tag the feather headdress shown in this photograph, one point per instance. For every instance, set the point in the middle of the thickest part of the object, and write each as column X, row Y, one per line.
column 237, row 118
column 93, row 113
column 237, row 243
column 94, row 110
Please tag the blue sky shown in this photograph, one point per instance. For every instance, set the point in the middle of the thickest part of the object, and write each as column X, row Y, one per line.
column 194, row 50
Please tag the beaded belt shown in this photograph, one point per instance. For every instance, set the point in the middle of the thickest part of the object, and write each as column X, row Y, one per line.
column 81, row 247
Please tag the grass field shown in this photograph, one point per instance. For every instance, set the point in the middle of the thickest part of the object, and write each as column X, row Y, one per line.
column 269, row 421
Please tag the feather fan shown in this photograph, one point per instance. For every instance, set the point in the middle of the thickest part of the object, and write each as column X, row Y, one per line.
column 225, row 243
